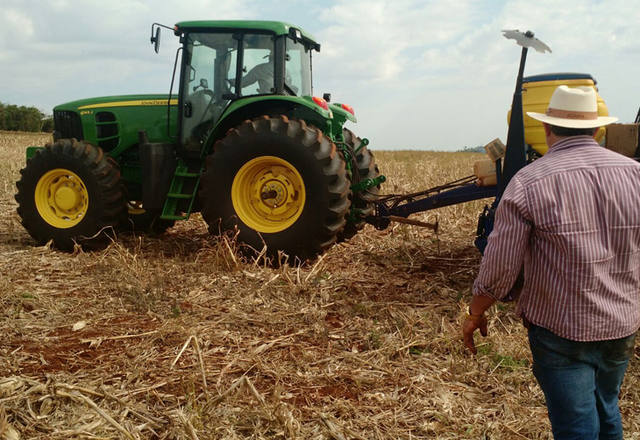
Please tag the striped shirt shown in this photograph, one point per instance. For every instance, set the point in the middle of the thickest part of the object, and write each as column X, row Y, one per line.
column 572, row 219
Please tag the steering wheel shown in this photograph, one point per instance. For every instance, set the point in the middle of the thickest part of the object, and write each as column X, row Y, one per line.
column 204, row 85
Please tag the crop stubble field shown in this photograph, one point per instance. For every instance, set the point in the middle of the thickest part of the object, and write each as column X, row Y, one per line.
column 179, row 336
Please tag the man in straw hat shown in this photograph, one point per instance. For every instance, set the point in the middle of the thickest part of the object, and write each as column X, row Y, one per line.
column 571, row 221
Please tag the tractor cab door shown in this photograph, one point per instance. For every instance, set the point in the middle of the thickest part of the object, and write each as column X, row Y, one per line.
column 206, row 88
column 219, row 67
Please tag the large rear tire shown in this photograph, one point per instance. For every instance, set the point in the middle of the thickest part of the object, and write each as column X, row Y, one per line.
column 362, row 203
column 278, row 181
column 70, row 193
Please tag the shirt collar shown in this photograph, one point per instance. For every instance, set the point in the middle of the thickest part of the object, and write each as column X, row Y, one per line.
column 573, row 141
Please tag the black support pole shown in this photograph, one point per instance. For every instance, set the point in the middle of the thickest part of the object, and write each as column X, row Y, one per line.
column 515, row 157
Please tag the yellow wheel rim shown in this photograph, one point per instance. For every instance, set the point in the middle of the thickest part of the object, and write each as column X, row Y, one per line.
column 61, row 198
column 268, row 194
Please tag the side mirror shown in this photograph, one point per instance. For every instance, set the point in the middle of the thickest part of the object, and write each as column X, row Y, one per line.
column 155, row 35
column 155, row 39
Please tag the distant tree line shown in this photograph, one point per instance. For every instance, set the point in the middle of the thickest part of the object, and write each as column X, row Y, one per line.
column 21, row 118
column 478, row 149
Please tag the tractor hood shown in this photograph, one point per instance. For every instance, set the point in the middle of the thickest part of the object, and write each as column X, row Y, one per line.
column 113, row 122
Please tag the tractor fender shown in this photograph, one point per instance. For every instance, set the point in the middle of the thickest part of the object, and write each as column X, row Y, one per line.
column 340, row 117
column 341, row 114
column 291, row 106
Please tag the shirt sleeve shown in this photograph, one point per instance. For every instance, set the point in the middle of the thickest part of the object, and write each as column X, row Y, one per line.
column 256, row 74
column 507, row 244
column 252, row 76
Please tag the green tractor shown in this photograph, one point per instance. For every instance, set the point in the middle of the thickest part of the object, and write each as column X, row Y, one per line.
column 244, row 142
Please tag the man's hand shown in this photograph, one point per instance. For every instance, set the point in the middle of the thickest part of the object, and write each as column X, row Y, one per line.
column 471, row 323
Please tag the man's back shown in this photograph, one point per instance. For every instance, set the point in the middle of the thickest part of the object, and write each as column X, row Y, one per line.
column 583, row 267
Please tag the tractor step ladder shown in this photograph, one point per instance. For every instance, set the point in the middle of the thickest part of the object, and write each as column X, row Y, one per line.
column 184, row 186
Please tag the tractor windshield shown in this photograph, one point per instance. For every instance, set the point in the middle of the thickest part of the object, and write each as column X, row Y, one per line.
column 298, row 68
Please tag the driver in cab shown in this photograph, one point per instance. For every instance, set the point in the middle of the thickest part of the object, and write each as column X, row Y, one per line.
column 262, row 74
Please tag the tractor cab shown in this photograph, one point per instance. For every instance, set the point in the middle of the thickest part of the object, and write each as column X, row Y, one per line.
column 225, row 61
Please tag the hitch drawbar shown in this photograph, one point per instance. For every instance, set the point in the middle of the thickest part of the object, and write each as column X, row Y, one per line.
column 408, row 221
column 398, row 207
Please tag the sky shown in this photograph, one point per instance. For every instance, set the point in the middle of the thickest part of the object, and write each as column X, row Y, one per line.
column 420, row 74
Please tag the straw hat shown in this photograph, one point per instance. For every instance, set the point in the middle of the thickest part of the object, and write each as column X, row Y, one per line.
column 575, row 107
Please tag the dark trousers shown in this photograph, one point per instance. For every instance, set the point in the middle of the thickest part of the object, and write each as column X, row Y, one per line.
column 581, row 382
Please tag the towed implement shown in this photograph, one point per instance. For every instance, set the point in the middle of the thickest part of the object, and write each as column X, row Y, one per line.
column 244, row 142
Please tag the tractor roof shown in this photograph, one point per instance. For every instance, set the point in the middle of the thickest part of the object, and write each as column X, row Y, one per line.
column 277, row 27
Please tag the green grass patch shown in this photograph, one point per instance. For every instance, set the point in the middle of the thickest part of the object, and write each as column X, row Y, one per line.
column 498, row 360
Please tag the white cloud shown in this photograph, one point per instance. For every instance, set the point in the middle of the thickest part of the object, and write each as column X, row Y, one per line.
column 377, row 40
column 16, row 22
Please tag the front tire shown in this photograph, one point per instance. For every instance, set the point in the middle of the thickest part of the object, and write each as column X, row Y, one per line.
column 70, row 193
column 278, row 181
column 362, row 203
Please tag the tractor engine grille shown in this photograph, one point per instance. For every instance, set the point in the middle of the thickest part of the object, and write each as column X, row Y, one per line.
column 67, row 125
